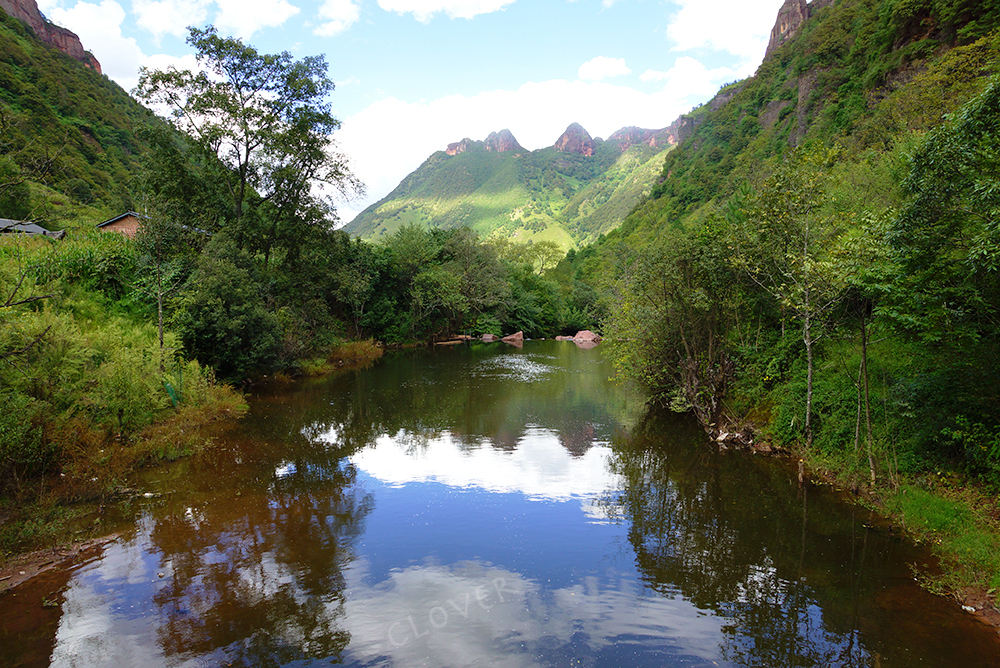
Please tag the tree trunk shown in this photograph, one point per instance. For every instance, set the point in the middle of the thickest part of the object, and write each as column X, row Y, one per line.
column 808, row 340
column 868, row 410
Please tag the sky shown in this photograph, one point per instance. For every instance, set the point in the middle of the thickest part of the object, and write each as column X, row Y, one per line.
column 413, row 76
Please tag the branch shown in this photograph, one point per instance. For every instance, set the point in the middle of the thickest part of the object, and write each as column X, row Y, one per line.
column 28, row 347
column 25, row 301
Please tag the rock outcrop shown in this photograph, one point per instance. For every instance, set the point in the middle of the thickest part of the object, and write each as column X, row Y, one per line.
column 517, row 338
column 587, row 335
column 65, row 40
column 632, row 136
column 501, row 142
column 460, row 146
column 791, row 16
column 576, row 140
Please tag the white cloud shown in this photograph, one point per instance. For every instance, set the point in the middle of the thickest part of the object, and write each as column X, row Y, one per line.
column 161, row 61
column 464, row 614
column 242, row 18
column 540, row 468
column 536, row 113
column 740, row 27
column 424, row 10
column 692, row 77
column 169, row 17
column 338, row 16
column 603, row 67
column 46, row 6
column 99, row 28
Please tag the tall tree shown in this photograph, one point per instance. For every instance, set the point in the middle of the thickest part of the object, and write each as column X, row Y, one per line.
column 267, row 118
column 783, row 244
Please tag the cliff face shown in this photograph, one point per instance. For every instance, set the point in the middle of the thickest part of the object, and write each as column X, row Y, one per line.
column 459, row 146
column 791, row 16
column 576, row 140
column 65, row 40
column 631, row 136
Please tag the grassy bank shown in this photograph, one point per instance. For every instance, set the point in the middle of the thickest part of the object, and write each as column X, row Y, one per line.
column 956, row 516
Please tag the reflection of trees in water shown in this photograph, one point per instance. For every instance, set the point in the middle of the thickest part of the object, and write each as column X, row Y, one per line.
column 479, row 394
column 739, row 538
column 260, row 575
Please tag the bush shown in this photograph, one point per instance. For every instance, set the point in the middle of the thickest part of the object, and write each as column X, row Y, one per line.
column 222, row 319
column 23, row 451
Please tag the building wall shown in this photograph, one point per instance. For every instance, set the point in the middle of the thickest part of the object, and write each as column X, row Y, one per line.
column 128, row 226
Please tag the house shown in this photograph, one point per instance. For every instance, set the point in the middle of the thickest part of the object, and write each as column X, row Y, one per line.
column 127, row 224
column 23, row 227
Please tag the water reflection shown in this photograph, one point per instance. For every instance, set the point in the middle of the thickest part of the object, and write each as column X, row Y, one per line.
column 797, row 577
column 471, row 613
column 478, row 394
column 252, row 578
column 485, row 506
column 539, row 467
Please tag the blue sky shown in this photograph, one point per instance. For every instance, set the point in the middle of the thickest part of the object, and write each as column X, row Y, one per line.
column 414, row 75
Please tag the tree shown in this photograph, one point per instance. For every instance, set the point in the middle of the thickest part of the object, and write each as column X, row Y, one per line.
column 267, row 118
column 166, row 256
column 947, row 292
column 947, row 235
column 669, row 322
column 221, row 316
column 783, row 244
column 866, row 271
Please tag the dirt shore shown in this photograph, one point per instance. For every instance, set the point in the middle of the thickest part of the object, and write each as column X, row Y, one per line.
column 22, row 567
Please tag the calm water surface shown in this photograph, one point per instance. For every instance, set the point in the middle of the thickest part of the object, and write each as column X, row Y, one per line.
column 484, row 506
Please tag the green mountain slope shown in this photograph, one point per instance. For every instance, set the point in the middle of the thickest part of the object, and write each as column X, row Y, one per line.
column 817, row 261
column 56, row 110
column 568, row 196
column 858, row 74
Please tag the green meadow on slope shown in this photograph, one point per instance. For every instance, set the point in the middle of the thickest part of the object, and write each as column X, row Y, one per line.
column 547, row 194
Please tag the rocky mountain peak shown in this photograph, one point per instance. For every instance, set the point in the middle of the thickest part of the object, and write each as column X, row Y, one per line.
column 65, row 40
column 501, row 142
column 576, row 140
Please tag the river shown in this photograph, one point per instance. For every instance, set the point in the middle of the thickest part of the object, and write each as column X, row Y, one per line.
column 484, row 505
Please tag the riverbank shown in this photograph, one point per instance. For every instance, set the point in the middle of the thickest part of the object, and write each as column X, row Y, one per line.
column 956, row 517
column 56, row 514
column 65, row 507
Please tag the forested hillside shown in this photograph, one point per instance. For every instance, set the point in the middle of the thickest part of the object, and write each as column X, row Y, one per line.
column 562, row 196
column 71, row 137
column 815, row 266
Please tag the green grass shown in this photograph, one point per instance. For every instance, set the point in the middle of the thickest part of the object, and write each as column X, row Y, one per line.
column 966, row 539
column 541, row 194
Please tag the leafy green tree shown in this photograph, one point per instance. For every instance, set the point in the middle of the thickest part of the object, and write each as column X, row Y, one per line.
column 221, row 317
column 783, row 245
column 268, row 119
column 947, row 294
column 947, row 234
column 863, row 261
column 482, row 277
column 669, row 320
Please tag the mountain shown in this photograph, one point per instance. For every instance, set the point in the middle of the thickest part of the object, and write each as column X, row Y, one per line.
column 58, row 110
column 570, row 192
column 61, row 38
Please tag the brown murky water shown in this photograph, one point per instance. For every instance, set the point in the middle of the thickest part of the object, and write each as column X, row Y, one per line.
column 477, row 506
